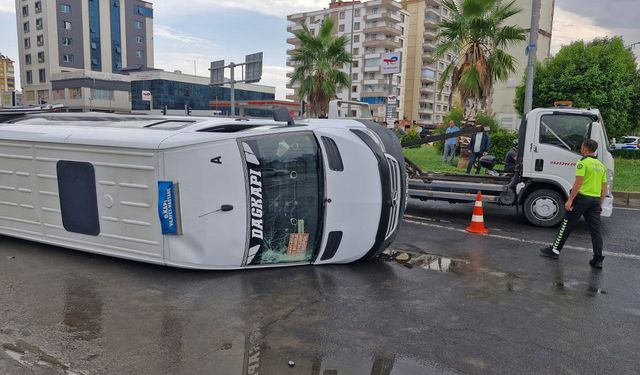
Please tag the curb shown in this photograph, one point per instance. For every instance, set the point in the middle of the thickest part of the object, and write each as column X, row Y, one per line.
column 624, row 198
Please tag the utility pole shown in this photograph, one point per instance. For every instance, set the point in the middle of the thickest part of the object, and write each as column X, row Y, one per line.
column 353, row 7
column 532, row 49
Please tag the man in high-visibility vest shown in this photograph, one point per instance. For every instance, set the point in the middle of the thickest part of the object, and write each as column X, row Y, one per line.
column 586, row 199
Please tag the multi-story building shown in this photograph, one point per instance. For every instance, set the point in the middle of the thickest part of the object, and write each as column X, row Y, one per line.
column 505, row 92
column 372, row 28
column 71, row 49
column 7, row 82
column 424, row 102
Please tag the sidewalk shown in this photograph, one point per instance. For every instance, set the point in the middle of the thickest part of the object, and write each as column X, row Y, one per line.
column 626, row 198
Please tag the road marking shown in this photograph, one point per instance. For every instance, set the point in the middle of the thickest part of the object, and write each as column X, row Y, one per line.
column 627, row 208
column 523, row 240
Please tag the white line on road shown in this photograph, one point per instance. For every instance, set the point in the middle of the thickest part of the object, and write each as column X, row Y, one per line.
column 627, row 208
column 509, row 238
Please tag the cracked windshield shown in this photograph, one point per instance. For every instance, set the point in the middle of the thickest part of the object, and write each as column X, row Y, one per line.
column 283, row 175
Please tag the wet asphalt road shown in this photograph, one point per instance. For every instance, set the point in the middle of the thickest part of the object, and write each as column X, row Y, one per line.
column 475, row 304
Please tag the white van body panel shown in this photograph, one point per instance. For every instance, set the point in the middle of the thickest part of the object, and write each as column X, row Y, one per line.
column 130, row 160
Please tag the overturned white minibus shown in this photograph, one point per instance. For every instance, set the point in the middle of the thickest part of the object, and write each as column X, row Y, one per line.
column 207, row 193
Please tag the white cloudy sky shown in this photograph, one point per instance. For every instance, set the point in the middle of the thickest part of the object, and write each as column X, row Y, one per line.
column 204, row 30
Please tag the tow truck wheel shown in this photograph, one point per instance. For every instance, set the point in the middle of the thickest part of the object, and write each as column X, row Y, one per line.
column 544, row 208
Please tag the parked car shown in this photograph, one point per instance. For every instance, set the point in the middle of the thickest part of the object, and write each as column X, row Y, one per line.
column 630, row 142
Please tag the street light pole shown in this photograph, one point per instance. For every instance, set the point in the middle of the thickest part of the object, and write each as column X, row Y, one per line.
column 532, row 49
column 353, row 7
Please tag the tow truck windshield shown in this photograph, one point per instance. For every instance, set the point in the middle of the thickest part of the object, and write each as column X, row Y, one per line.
column 284, row 186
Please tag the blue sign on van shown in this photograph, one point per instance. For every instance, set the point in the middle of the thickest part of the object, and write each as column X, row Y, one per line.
column 167, row 207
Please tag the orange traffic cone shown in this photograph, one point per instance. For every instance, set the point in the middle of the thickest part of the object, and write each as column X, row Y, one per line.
column 477, row 220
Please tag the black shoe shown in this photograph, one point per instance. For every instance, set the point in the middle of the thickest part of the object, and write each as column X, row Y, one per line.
column 549, row 252
column 596, row 262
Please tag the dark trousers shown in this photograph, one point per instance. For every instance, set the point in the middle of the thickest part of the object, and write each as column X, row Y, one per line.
column 472, row 159
column 589, row 207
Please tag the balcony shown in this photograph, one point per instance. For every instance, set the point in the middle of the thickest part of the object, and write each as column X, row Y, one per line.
column 430, row 34
column 386, row 16
column 386, row 43
column 372, row 68
column 387, row 30
column 294, row 41
column 368, row 94
column 294, row 27
column 427, row 90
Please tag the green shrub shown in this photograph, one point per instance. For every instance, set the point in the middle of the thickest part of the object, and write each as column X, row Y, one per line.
column 626, row 154
column 501, row 143
column 439, row 145
column 456, row 114
column 487, row 120
column 412, row 135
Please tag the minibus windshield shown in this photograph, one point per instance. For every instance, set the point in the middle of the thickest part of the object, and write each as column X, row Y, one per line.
column 284, row 186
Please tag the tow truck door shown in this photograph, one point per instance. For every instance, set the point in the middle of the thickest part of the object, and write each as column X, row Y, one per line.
column 554, row 148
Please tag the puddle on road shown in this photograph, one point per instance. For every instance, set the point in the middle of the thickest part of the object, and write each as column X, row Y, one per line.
column 486, row 280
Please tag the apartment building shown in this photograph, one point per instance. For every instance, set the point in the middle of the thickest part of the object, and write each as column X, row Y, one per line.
column 7, row 81
column 73, row 51
column 373, row 28
column 505, row 92
column 423, row 101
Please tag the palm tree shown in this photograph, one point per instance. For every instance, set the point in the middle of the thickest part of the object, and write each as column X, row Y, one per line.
column 318, row 61
column 475, row 34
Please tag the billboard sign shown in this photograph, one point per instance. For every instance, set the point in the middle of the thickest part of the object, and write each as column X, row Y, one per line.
column 253, row 67
column 392, row 100
column 390, row 63
column 217, row 72
column 146, row 96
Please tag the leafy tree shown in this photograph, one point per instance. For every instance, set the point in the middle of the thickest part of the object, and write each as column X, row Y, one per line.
column 477, row 36
column 318, row 61
column 456, row 114
column 600, row 74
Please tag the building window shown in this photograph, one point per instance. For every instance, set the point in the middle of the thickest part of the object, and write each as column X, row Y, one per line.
column 66, row 41
column 139, row 54
column 116, row 37
column 66, row 25
column 356, row 64
column 67, row 58
column 25, row 11
column 356, row 26
column 144, row 11
column 25, row 27
column 342, row 15
column 29, row 76
column 354, row 88
column 39, row 24
column 101, row 94
column 357, row 13
column 27, row 43
column 356, row 38
column 341, row 28
column 40, row 57
column 43, row 96
column 354, row 76
column 40, row 40
column 75, row 93
column 94, row 35
column 38, row 7
column 138, row 25
column 58, row 94
column 356, row 51
column 65, row 8
column 42, row 76
column 27, row 59
column 139, row 39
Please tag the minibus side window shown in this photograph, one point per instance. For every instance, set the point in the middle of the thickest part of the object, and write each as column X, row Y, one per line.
column 284, row 188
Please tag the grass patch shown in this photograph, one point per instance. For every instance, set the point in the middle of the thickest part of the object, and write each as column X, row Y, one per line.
column 429, row 159
column 627, row 176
